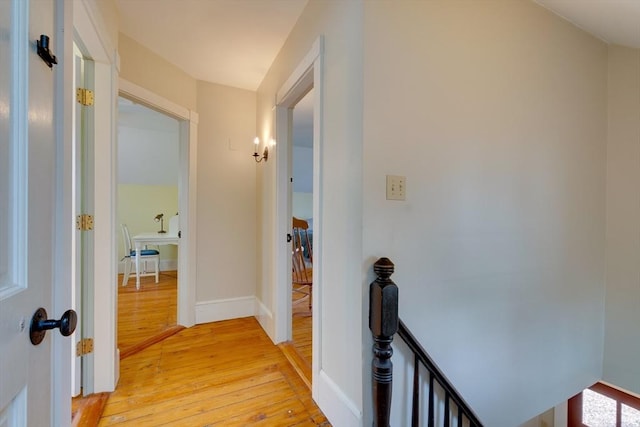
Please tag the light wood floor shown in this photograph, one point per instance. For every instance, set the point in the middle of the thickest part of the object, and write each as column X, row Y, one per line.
column 223, row 373
column 144, row 313
column 301, row 326
column 217, row 374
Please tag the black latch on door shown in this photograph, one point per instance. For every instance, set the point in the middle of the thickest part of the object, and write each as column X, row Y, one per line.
column 44, row 52
column 289, row 237
column 40, row 324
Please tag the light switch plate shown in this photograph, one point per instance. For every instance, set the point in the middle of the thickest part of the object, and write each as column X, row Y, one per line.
column 396, row 187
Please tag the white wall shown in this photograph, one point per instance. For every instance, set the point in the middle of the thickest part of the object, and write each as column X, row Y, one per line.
column 302, row 203
column 147, row 146
column 495, row 112
column 302, row 169
column 622, row 337
column 340, row 383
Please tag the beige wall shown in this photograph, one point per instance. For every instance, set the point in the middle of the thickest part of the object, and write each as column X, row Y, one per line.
column 137, row 207
column 495, row 111
column 108, row 10
column 146, row 69
column 340, row 214
column 622, row 337
column 225, row 170
column 226, row 212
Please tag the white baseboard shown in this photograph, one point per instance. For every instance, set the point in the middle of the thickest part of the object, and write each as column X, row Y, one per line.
column 265, row 318
column 165, row 265
column 232, row 308
column 338, row 408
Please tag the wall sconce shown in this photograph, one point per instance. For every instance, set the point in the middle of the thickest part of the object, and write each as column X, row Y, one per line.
column 160, row 218
column 265, row 153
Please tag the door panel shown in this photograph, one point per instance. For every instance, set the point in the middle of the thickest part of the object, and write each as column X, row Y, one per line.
column 27, row 186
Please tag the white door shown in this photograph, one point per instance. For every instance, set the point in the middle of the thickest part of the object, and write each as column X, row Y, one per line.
column 27, row 188
column 83, row 161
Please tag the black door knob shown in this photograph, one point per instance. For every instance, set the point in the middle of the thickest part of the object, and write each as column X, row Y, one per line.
column 40, row 324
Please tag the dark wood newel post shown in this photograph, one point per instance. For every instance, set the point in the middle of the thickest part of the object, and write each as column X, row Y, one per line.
column 383, row 323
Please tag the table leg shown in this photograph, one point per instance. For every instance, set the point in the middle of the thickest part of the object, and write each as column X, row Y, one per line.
column 138, row 248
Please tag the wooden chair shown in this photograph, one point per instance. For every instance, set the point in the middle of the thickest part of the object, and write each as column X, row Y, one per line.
column 301, row 258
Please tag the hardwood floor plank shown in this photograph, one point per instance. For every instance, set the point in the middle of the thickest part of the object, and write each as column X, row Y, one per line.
column 223, row 373
column 217, row 374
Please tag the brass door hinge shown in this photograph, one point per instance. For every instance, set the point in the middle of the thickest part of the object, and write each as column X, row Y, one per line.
column 84, row 222
column 84, row 346
column 84, row 96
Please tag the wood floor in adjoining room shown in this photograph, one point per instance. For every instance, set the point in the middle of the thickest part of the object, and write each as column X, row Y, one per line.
column 144, row 313
column 217, row 374
column 301, row 325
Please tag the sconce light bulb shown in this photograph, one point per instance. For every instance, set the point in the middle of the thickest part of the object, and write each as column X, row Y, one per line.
column 272, row 143
column 256, row 141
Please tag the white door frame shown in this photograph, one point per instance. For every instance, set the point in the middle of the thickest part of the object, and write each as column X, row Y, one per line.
column 96, row 44
column 186, row 189
column 91, row 32
column 307, row 75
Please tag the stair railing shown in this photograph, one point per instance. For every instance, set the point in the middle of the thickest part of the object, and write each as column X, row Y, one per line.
column 384, row 323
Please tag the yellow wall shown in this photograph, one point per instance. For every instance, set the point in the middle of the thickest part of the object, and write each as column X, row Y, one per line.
column 139, row 204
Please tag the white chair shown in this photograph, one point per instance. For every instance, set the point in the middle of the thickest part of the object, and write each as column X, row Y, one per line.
column 145, row 255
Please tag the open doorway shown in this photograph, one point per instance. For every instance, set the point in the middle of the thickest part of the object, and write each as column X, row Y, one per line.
column 302, row 221
column 147, row 180
column 306, row 80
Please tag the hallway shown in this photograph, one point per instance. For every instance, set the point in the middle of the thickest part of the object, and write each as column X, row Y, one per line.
column 223, row 373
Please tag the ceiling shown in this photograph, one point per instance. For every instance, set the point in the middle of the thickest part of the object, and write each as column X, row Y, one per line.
column 231, row 42
column 614, row 21
column 234, row 42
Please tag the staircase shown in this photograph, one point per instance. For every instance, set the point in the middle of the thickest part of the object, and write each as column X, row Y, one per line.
column 444, row 405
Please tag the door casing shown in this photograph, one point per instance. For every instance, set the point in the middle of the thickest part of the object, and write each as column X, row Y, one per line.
column 307, row 75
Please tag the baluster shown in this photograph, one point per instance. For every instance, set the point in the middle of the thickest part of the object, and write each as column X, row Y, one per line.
column 446, row 410
column 431, row 413
column 459, row 416
column 383, row 323
column 415, row 405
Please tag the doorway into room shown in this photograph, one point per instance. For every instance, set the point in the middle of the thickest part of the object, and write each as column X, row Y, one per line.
column 302, row 229
column 148, row 205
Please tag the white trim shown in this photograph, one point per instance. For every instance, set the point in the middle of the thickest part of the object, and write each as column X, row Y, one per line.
column 308, row 74
column 560, row 414
column 91, row 34
column 318, row 217
column 105, row 297
column 301, row 69
column 264, row 316
column 138, row 93
column 225, row 309
column 334, row 403
column 89, row 23
column 18, row 269
column 187, row 192
column 64, row 231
